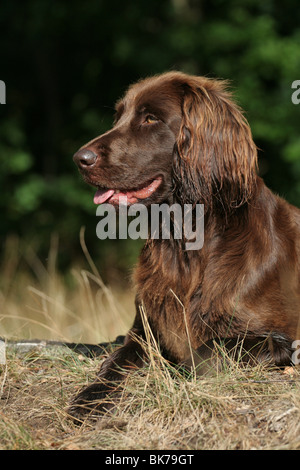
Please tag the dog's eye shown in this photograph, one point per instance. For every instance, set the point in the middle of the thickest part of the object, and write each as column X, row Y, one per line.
column 150, row 119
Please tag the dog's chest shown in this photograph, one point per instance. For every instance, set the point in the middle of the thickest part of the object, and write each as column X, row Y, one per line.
column 167, row 319
column 165, row 307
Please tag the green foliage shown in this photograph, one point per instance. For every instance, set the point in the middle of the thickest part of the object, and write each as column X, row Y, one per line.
column 65, row 67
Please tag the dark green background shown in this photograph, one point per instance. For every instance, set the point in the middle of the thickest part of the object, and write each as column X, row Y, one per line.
column 66, row 63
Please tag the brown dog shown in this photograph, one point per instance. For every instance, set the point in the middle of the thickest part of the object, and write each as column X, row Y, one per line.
column 181, row 139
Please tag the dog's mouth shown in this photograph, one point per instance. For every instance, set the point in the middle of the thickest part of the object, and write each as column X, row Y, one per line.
column 131, row 196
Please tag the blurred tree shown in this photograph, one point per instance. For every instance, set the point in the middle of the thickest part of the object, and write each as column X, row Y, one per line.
column 65, row 65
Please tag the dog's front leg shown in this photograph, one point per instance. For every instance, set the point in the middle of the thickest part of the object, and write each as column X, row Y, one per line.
column 100, row 396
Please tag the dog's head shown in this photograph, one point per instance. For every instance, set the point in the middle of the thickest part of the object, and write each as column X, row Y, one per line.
column 175, row 137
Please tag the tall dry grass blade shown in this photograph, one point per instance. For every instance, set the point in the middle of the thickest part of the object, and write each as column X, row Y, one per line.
column 48, row 299
column 187, row 333
column 56, row 332
column 87, row 254
column 158, row 363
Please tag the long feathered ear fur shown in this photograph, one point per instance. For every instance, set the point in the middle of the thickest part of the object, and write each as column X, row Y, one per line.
column 215, row 156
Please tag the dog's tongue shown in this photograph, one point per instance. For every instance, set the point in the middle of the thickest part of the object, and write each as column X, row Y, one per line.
column 102, row 195
column 132, row 196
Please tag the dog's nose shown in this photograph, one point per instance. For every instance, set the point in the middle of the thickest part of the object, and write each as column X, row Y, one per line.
column 84, row 158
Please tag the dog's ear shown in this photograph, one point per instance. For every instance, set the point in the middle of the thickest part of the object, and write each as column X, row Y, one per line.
column 215, row 156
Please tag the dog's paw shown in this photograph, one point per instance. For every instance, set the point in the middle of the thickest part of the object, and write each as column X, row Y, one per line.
column 92, row 402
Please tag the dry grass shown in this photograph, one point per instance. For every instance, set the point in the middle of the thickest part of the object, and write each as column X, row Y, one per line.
column 38, row 302
column 159, row 408
column 241, row 408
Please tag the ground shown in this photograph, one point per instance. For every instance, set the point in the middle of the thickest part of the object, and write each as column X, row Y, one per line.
column 160, row 409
